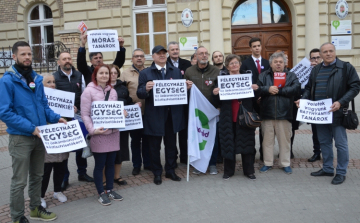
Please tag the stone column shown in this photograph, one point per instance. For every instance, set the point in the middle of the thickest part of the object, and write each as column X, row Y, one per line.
column 216, row 26
column 71, row 39
column 312, row 27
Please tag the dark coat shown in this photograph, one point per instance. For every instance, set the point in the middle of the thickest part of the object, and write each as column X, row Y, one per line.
column 123, row 92
column 249, row 64
column 335, row 87
column 87, row 70
column 155, row 116
column 183, row 65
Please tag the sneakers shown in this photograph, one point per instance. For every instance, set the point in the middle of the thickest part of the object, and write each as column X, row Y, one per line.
column 104, row 199
column 23, row 219
column 251, row 177
column 60, row 196
column 213, row 170
column 115, row 196
column 40, row 213
column 287, row 170
column 265, row 169
column 196, row 171
column 226, row 177
column 43, row 202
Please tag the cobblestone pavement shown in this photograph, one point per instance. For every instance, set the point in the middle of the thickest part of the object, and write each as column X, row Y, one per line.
column 273, row 197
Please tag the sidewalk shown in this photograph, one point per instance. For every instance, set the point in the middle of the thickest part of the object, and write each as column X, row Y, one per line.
column 273, row 197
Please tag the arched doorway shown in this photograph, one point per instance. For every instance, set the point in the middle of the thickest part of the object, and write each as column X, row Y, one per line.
column 269, row 20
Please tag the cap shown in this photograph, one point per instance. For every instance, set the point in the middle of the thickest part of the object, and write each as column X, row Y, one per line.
column 158, row 48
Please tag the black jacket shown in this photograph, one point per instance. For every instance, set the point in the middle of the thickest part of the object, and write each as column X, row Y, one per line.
column 87, row 70
column 337, row 89
column 62, row 83
column 123, row 92
column 183, row 65
column 155, row 116
column 249, row 64
column 279, row 106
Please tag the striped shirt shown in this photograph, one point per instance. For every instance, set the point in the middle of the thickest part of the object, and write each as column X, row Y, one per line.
column 322, row 80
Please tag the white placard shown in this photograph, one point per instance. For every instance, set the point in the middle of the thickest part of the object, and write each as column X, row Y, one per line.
column 316, row 112
column 170, row 92
column 103, row 40
column 61, row 138
column 340, row 27
column 235, row 86
column 108, row 114
column 61, row 102
column 302, row 71
column 341, row 42
column 134, row 118
column 188, row 43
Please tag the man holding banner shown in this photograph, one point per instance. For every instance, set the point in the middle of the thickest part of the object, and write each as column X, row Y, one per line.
column 340, row 82
column 23, row 107
column 161, row 122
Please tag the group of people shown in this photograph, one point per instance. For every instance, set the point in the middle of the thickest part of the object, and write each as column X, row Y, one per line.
column 23, row 107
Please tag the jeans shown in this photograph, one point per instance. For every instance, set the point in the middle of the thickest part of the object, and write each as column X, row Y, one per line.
column 58, row 176
column 316, row 142
column 326, row 133
column 102, row 160
column 215, row 151
column 27, row 153
column 140, row 149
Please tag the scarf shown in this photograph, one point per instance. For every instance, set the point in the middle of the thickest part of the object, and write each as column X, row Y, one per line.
column 26, row 74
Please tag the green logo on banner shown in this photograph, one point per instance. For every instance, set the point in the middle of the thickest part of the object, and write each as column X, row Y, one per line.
column 183, row 40
column 336, row 24
column 204, row 124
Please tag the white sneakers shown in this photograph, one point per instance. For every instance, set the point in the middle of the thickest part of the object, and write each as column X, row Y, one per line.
column 60, row 196
column 43, row 202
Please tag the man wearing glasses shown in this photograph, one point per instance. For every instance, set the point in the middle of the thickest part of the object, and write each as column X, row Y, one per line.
column 139, row 143
column 203, row 75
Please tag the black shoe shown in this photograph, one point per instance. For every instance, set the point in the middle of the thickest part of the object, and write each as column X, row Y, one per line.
column 85, row 178
column 157, row 180
column 23, row 219
column 64, row 185
column 226, row 177
column 173, row 176
column 314, row 158
column 251, row 177
column 136, row 171
column 321, row 173
column 147, row 168
column 338, row 179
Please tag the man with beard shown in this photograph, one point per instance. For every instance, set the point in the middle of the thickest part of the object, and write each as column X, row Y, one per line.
column 23, row 107
column 139, row 142
column 175, row 60
column 71, row 80
column 218, row 61
column 96, row 58
column 203, row 75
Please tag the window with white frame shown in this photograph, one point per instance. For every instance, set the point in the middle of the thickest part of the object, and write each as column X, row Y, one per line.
column 40, row 25
column 150, row 24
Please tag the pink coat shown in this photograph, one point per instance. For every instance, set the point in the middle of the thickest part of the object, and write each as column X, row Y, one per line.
column 110, row 140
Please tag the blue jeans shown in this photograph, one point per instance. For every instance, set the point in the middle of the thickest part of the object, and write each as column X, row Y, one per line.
column 215, row 149
column 316, row 143
column 326, row 133
column 140, row 149
column 106, row 160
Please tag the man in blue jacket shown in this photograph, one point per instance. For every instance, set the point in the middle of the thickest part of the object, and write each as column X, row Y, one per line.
column 161, row 121
column 23, row 107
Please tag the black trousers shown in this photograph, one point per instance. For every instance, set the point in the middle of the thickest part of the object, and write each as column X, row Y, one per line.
column 183, row 136
column 261, row 141
column 58, row 176
column 247, row 163
column 170, row 149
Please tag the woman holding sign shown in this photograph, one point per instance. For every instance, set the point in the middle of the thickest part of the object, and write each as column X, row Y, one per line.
column 104, row 142
column 235, row 139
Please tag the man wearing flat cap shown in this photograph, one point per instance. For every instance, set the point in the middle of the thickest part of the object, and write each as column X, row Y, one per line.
column 161, row 122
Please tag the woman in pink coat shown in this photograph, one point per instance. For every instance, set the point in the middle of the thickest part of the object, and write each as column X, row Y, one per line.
column 104, row 142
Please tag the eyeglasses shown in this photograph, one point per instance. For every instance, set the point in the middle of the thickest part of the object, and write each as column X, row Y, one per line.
column 203, row 54
column 138, row 56
column 234, row 63
column 315, row 58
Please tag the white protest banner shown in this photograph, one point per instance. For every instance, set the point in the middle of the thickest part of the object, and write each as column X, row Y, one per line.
column 302, row 71
column 134, row 118
column 61, row 138
column 108, row 114
column 103, row 40
column 235, row 86
column 61, row 102
column 170, row 92
column 316, row 112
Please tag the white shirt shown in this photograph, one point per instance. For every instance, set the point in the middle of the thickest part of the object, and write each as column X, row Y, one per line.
column 82, row 79
column 159, row 67
column 175, row 63
column 254, row 58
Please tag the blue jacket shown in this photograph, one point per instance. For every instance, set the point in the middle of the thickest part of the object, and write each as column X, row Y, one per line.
column 21, row 109
column 154, row 116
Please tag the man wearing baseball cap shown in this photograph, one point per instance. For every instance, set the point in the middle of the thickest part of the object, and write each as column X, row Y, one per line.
column 161, row 122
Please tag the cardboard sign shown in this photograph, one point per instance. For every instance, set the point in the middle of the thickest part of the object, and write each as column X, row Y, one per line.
column 61, row 138
column 170, row 92
column 108, row 114
column 235, row 86
column 103, row 41
column 279, row 79
column 134, row 118
column 302, row 70
column 82, row 26
column 316, row 112
column 61, row 102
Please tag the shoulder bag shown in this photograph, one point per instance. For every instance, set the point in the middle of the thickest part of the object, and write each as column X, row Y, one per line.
column 350, row 119
column 249, row 119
